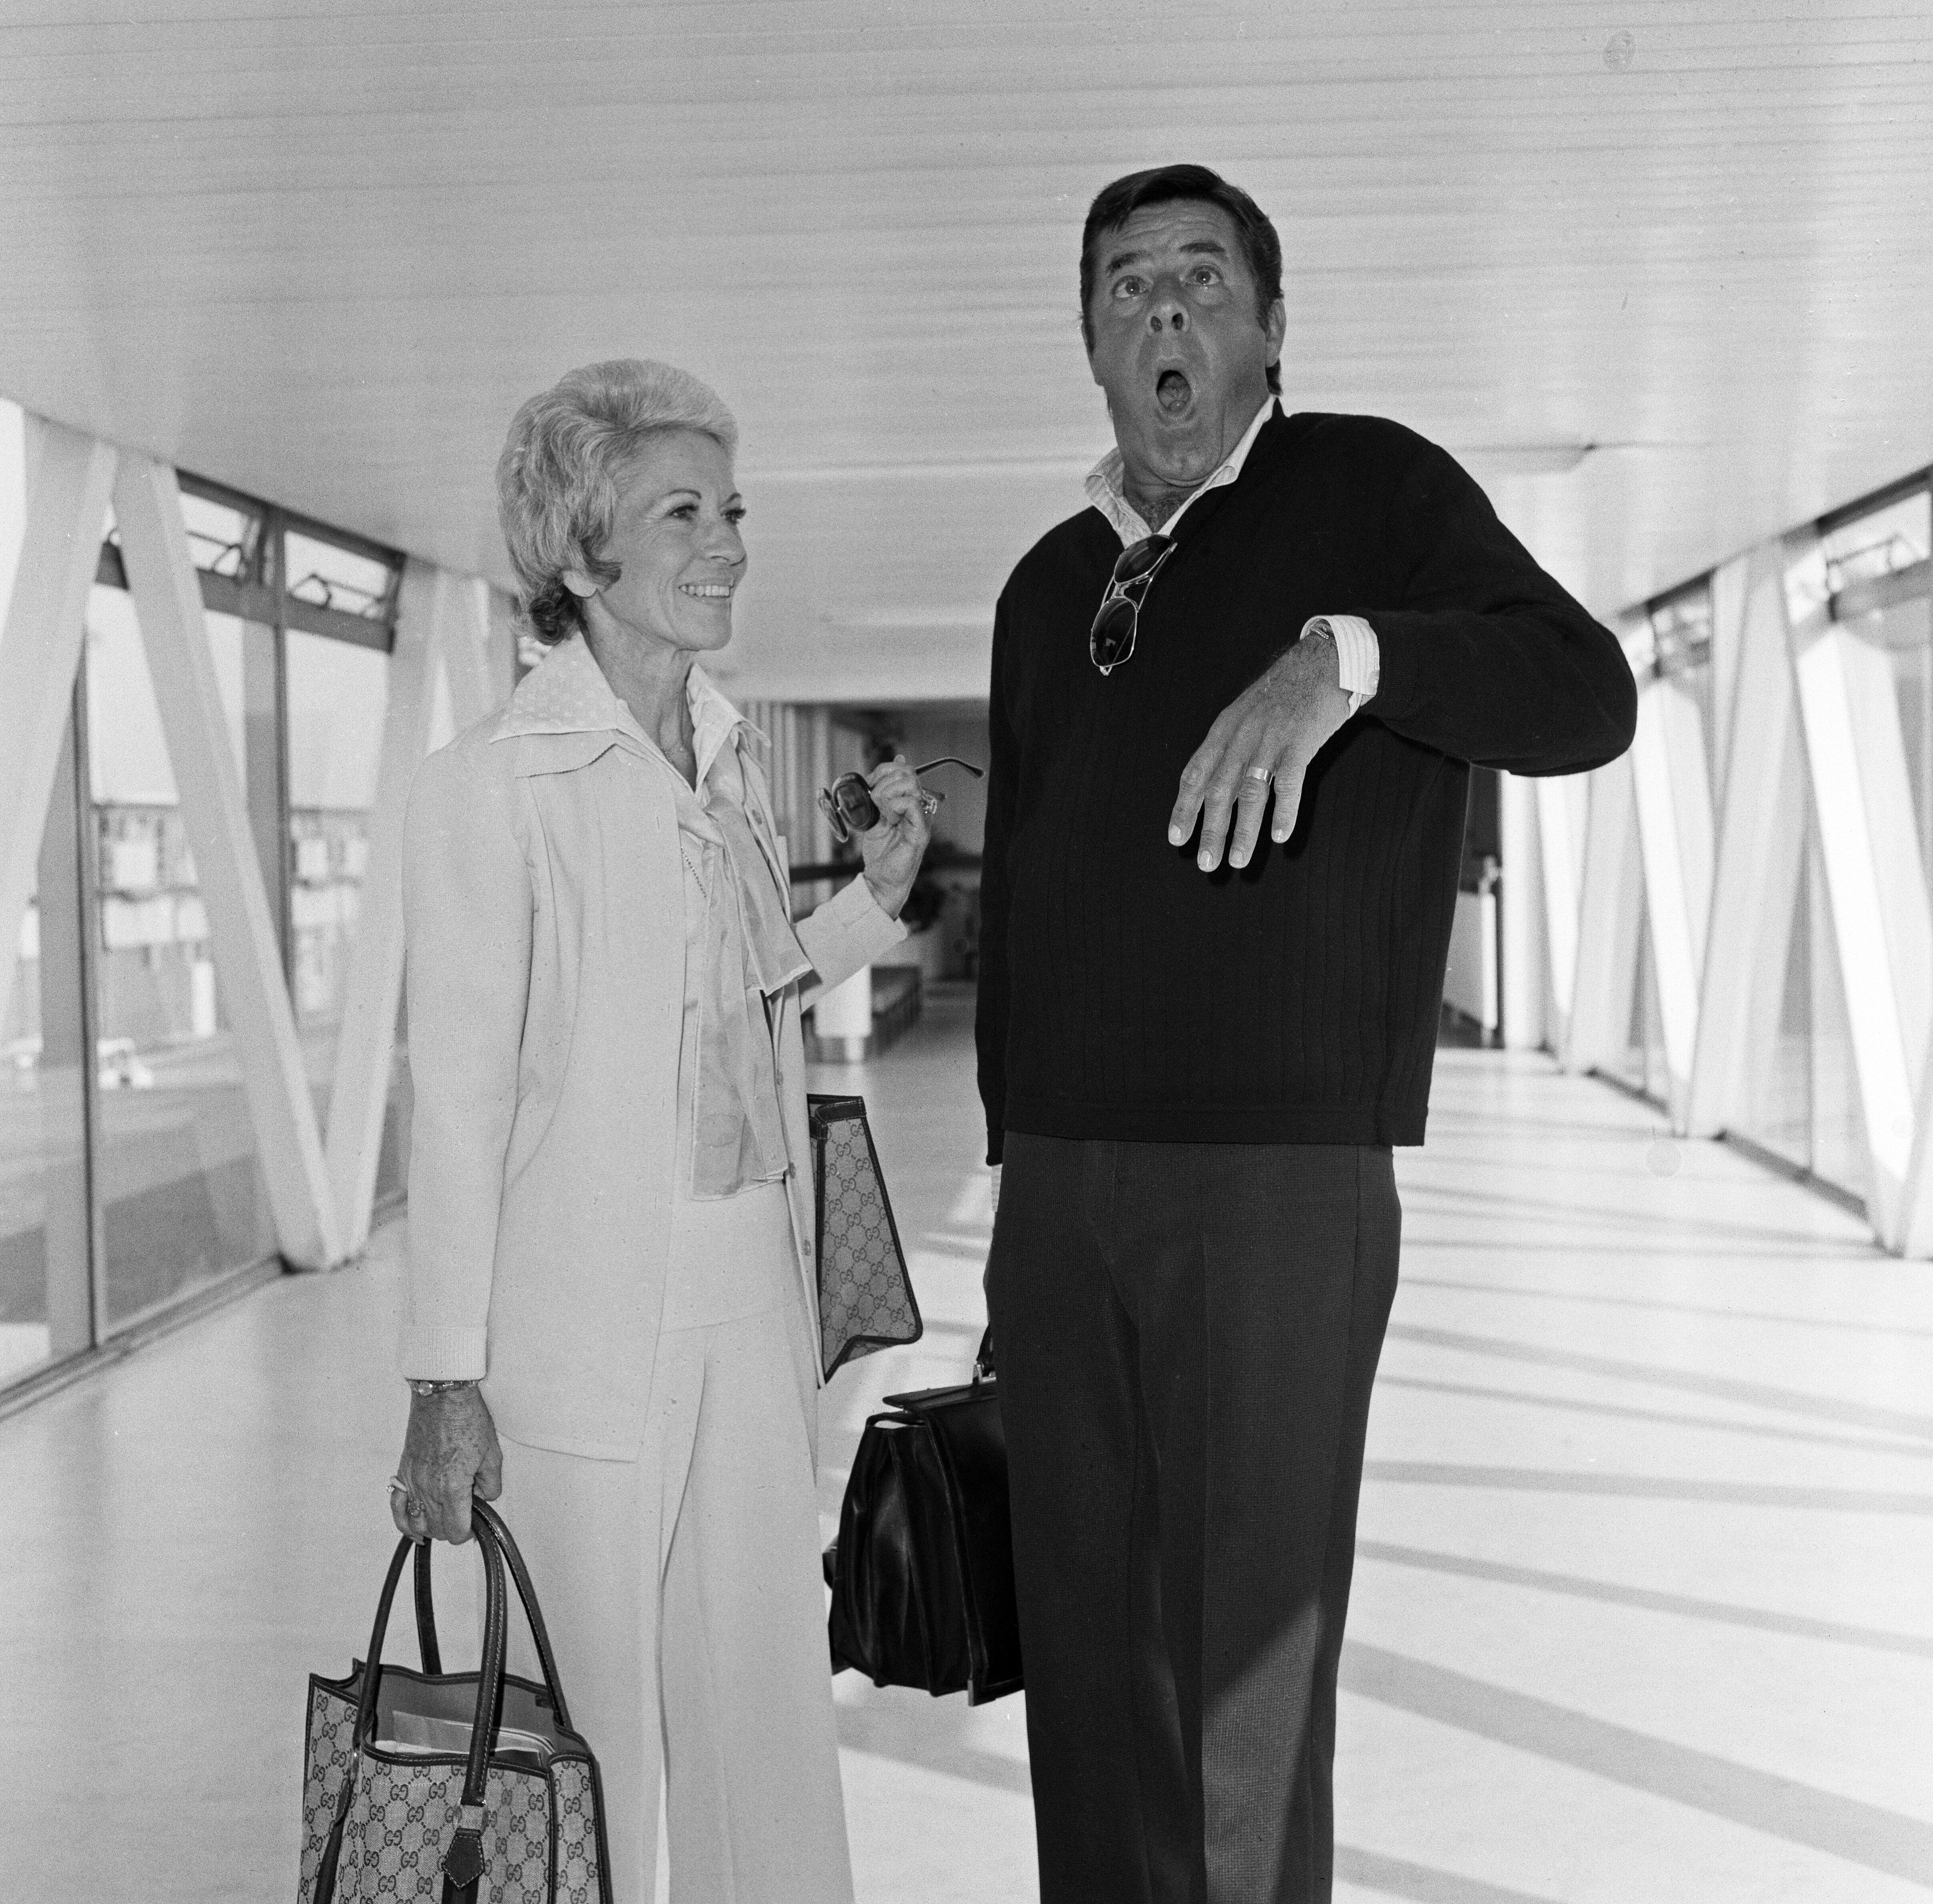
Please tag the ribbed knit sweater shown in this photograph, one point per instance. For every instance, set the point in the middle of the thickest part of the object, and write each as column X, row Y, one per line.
column 1123, row 993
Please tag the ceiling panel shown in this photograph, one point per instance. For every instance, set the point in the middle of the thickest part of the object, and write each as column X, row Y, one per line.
column 1663, row 304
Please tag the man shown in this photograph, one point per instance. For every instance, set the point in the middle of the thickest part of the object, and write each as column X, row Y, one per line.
column 1194, row 1062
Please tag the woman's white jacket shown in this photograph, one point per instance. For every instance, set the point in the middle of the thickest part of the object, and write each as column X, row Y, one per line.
column 543, row 903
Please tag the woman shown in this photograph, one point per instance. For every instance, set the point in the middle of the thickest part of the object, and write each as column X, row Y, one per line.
column 611, row 1218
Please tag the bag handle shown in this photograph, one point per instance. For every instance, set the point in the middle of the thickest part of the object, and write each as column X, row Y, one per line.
column 463, row 1861
column 527, row 1592
column 426, row 1646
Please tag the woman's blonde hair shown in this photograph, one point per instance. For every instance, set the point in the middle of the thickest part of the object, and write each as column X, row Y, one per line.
column 558, row 478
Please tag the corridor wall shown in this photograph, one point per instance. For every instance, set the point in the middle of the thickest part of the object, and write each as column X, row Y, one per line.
column 210, row 709
column 1734, row 918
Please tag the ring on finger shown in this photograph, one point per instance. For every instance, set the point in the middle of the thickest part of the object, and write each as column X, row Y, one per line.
column 1262, row 773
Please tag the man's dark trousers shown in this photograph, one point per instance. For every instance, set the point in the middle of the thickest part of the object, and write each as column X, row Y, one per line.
column 1187, row 1335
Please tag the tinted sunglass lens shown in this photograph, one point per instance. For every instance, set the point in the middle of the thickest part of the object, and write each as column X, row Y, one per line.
column 1113, row 630
column 1139, row 560
column 856, row 805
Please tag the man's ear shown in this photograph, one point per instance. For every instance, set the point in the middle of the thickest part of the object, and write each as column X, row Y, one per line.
column 1276, row 329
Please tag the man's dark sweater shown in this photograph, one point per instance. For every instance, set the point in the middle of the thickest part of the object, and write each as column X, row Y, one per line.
column 1123, row 993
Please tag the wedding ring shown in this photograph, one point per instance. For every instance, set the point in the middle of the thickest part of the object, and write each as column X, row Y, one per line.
column 396, row 1485
column 929, row 803
column 1260, row 773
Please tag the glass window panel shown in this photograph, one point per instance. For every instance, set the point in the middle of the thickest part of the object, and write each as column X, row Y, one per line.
column 1903, row 633
column 331, row 577
column 45, row 1302
column 1680, row 630
column 1879, row 542
column 1628, row 1065
column 45, row 1307
column 26, row 1339
column 1778, row 1112
column 180, row 1182
column 221, row 538
column 338, row 696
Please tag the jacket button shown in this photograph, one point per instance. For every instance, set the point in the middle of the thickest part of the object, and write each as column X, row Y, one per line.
column 807, row 1248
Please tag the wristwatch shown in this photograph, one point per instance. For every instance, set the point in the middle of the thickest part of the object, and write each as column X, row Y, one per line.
column 422, row 1387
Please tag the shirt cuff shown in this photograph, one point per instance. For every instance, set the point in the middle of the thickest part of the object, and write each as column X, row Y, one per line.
column 848, row 931
column 1358, row 658
column 434, row 1351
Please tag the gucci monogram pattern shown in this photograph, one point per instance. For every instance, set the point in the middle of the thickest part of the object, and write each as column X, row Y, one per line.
column 578, row 1880
column 400, row 1824
column 865, row 1300
column 325, row 1763
column 401, row 1818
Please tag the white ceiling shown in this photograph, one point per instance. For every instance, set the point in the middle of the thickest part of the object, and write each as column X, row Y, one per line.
column 322, row 252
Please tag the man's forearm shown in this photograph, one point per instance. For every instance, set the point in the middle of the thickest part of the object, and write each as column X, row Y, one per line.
column 1486, row 658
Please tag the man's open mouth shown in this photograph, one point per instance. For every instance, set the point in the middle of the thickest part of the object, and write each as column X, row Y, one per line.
column 1173, row 392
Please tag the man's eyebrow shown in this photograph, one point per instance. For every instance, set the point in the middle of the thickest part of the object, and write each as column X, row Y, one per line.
column 1195, row 247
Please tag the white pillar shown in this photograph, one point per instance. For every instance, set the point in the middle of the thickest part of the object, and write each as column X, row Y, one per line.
column 842, row 1018
column 1525, row 963
column 359, row 1089
column 40, row 652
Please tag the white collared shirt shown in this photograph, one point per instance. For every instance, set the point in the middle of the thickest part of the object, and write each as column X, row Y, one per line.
column 1358, row 659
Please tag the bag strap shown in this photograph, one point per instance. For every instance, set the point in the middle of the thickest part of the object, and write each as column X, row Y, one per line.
column 426, row 1646
column 463, row 1861
column 527, row 1592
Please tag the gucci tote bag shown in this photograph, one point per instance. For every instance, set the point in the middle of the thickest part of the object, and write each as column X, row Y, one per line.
column 436, row 1788
column 865, row 1295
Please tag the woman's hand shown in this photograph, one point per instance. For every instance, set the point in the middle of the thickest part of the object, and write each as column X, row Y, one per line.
column 893, row 849
column 449, row 1453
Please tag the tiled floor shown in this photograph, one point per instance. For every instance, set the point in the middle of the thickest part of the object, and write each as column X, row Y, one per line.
column 1644, row 1602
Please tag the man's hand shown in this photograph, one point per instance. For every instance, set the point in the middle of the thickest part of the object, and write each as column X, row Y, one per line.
column 450, row 1452
column 1269, row 731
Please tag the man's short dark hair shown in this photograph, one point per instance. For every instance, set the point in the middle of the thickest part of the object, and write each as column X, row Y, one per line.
column 1261, row 249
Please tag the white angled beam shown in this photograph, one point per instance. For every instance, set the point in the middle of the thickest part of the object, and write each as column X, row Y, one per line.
column 1760, row 854
column 1610, row 919
column 39, row 651
column 365, row 1047
column 1731, row 583
column 1876, row 889
column 1674, row 815
column 174, row 630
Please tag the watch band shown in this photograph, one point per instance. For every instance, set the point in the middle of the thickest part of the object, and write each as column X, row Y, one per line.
column 418, row 1386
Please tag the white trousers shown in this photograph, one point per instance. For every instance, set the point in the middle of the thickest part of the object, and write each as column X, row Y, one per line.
column 683, row 1591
